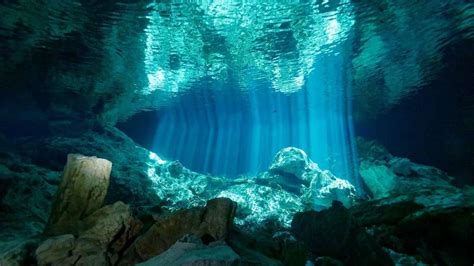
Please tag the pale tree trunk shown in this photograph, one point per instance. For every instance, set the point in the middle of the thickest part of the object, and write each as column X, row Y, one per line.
column 81, row 192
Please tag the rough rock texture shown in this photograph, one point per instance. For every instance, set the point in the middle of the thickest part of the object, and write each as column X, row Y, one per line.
column 81, row 192
column 291, row 161
column 292, row 164
column 293, row 183
column 17, row 252
column 102, row 238
column 129, row 180
column 26, row 192
column 268, row 247
column 211, row 223
column 54, row 250
column 147, row 182
column 159, row 190
column 336, row 233
column 386, row 175
column 195, row 253
column 436, row 226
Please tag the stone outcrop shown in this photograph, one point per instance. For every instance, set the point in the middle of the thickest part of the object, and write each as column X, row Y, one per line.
column 168, row 198
column 26, row 193
column 100, row 238
column 81, row 192
column 432, row 225
column 211, row 223
column 319, row 188
column 386, row 175
column 336, row 233
column 55, row 249
column 293, row 162
column 145, row 181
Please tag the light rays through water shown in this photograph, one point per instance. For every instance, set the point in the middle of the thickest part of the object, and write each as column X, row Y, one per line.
column 222, row 131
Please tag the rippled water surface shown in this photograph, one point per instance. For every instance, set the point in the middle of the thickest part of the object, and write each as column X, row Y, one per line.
column 167, row 46
column 277, row 72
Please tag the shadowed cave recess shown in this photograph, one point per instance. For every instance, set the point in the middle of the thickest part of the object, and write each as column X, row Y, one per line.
column 335, row 132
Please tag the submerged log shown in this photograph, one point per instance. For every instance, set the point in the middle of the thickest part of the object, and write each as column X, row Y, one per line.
column 81, row 192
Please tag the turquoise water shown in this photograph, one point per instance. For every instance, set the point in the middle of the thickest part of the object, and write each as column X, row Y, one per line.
column 230, row 82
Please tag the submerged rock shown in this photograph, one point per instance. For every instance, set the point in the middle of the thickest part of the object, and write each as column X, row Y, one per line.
column 336, row 233
column 55, row 249
column 195, row 254
column 144, row 180
column 386, row 175
column 411, row 198
column 291, row 161
column 26, row 192
column 262, row 206
column 317, row 187
column 211, row 223
column 435, row 226
column 17, row 252
column 99, row 238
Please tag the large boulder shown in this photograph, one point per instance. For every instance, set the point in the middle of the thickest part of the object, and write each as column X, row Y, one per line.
column 101, row 238
column 211, row 223
column 290, row 161
column 295, row 172
column 337, row 234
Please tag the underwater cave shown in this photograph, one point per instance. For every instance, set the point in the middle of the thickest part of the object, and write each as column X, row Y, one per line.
column 236, row 132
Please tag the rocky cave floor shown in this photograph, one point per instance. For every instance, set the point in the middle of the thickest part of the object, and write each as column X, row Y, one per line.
column 157, row 212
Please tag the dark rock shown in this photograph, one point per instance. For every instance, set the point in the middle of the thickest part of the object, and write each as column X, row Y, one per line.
column 101, row 239
column 18, row 251
column 214, row 221
column 256, row 248
column 435, row 226
column 26, row 192
column 218, row 218
column 337, row 234
column 195, row 254
column 327, row 261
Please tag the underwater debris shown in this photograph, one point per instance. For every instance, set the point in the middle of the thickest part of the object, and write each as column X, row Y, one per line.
column 81, row 192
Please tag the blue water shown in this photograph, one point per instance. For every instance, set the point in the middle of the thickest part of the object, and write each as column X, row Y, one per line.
column 219, row 129
column 233, row 82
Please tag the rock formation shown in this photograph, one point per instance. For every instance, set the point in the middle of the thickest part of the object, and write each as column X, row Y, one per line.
column 336, row 233
column 319, row 188
column 101, row 239
column 386, row 175
column 169, row 202
column 210, row 223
